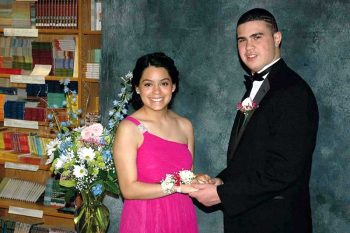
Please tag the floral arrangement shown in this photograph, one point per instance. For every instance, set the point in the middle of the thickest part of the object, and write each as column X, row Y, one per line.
column 82, row 156
column 247, row 105
column 171, row 180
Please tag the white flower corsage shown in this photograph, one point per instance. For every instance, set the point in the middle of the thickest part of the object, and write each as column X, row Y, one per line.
column 171, row 180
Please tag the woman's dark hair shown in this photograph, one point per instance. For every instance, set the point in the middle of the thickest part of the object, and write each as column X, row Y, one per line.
column 158, row 59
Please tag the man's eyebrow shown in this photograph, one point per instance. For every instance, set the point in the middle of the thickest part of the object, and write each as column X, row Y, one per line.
column 256, row 34
column 252, row 35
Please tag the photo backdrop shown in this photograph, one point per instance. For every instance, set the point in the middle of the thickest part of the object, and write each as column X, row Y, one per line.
column 200, row 36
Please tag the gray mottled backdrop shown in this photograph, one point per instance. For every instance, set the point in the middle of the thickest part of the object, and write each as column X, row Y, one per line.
column 199, row 35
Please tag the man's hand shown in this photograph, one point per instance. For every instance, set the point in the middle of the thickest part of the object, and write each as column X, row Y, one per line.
column 201, row 179
column 206, row 194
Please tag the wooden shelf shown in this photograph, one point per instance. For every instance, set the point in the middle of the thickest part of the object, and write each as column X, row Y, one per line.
column 59, row 31
column 91, row 33
column 48, row 210
column 51, row 78
column 53, row 31
column 91, row 80
column 51, row 216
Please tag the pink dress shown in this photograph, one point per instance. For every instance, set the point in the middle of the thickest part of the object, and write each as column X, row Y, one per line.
column 174, row 213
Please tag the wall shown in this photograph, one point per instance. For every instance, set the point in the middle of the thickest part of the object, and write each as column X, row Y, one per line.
column 199, row 35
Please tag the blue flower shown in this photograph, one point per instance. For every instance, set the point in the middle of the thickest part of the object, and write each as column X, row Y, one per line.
column 97, row 189
column 107, row 155
column 49, row 116
column 66, row 89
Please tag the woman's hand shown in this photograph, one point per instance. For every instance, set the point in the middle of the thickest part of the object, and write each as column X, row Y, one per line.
column 185, row 188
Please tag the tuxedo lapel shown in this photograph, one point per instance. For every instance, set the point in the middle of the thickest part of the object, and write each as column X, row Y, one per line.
column 244, row 119
column 264, row 88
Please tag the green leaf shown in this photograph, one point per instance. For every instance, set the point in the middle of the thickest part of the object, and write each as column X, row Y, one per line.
column 70, row 193
column 68, row 183
column 112, row 186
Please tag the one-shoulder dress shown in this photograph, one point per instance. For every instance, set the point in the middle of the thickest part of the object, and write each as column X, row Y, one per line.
column 174, row 213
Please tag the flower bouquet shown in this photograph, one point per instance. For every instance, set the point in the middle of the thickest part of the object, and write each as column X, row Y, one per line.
column 82, row 156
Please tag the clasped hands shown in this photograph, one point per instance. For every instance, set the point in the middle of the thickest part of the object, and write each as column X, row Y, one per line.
column 203, row 188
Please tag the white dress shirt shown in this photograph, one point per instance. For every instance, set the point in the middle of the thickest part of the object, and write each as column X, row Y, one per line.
column 257, row 84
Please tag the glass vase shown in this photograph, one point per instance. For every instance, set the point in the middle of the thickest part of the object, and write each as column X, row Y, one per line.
column 93, row 215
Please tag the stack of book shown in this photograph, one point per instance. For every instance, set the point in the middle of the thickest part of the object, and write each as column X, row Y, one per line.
column 42, row 53
column 37, row 145
column 14, row 109
column 35, row 114
column 56, row 14
column 49, row 229
column 21, row 51
column 54, row 193
column 20, row 190
column 20, row 142
column 37, row 90
column 96, row 15
column 15, row 141
column 63, row 54
column 11, row 225
column 92, row 70
column 21, row 14
column 93, row 64
column 5, row 13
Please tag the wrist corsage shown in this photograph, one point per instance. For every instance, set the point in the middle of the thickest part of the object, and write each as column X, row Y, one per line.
column 176, row 179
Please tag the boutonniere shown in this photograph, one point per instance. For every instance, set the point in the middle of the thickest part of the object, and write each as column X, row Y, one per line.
column 247, row 105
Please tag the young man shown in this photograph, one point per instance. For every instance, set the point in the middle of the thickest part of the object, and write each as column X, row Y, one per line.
column 265, row 186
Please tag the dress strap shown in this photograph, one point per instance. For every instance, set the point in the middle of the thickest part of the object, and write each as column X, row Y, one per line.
column 139, row 125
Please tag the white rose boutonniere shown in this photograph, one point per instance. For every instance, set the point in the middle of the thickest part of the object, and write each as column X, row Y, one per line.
column 247, row 105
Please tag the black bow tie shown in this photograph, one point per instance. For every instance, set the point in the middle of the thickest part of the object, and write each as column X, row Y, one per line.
column 249, row 79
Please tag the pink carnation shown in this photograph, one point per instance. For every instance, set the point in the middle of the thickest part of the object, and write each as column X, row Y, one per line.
column 96, row 129
column 92, row 133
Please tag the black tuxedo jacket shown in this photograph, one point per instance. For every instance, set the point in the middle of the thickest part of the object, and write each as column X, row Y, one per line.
column 266, row 182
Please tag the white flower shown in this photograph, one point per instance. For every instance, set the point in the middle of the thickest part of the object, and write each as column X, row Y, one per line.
column 86, row 153
column 247, row 105
column 69, row 155
column 51, row 148
column 247, row 102
column 79, row 171
column 186, row 176
column 168, row 183
column 59, row 164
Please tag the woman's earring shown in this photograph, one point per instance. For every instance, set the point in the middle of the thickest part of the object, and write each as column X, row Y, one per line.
column 137, row 91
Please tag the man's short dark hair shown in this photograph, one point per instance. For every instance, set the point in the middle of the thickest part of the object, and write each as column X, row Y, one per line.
column 259, row 14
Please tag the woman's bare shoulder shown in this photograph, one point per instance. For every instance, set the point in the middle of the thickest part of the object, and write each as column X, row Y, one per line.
column 126, row 125
column 182, row 121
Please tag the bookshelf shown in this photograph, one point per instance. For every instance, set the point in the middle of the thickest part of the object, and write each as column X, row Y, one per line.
column 51, row 22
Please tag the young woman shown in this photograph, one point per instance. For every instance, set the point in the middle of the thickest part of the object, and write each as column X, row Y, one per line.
column 149, row 144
